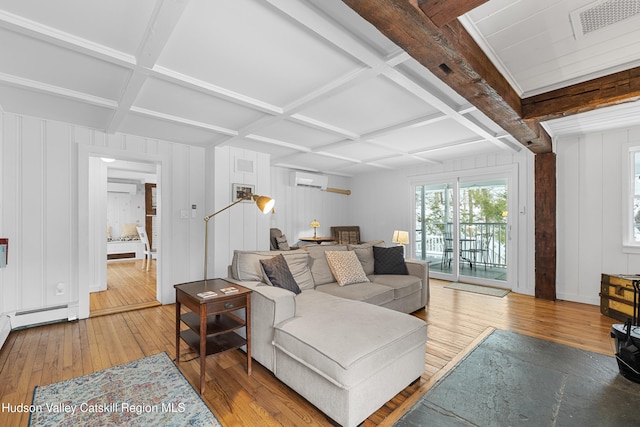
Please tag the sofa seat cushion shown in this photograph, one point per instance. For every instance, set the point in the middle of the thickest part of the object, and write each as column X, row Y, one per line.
column 346, row 341
column 371, row 293
column 401, row 285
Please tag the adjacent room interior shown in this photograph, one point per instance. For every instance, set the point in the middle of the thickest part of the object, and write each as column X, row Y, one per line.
column 131, row 203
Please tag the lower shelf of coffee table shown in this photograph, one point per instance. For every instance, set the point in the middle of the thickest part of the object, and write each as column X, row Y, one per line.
column 215, row 343
column 216, row 324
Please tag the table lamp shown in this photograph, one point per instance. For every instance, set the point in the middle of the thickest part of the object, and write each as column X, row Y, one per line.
column 400, row 237
column 314, row 224
column 265, row 204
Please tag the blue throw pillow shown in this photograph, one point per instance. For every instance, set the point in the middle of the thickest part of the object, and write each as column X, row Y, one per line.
column 278, row 274
column 389, row 260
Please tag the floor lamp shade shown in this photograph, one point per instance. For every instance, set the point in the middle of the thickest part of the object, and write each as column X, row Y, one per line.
column 264, row 203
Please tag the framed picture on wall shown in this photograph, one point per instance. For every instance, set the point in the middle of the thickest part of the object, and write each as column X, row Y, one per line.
column 241, row 190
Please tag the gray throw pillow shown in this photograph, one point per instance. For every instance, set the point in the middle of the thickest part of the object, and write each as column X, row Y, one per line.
column 278, row 274
column 283, row 245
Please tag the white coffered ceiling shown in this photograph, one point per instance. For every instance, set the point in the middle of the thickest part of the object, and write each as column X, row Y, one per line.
column 309, row 82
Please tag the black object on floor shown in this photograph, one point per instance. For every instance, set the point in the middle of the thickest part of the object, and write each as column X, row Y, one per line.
column 515, row 380
column 627, row 339
column 627, row 345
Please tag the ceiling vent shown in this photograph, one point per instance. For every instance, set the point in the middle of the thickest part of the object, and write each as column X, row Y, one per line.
column 602, row 14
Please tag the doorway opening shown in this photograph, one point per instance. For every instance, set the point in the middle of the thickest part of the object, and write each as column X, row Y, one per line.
column 130, row 204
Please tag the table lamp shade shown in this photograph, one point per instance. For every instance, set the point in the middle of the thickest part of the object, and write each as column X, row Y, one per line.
column 400, row 237
column 315, row 224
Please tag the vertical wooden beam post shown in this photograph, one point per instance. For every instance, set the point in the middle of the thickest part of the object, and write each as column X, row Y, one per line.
column 545, row 226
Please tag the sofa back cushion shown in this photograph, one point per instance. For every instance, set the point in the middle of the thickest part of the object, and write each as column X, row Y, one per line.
column 318, row 262
column 246, row 266
column 364, row 252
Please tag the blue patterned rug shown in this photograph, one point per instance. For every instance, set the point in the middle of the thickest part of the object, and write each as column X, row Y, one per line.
column 147, row 392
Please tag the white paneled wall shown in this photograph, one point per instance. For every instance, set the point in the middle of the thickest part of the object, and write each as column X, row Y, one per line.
column 53, row 210
column 38, row 214
column 296, row 207
column 591, row 172
column 242, row 226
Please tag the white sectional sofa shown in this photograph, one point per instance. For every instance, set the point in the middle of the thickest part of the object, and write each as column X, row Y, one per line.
column 347, row 349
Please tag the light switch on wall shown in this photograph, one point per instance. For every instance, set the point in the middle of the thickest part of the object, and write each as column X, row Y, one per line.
column 184, row 214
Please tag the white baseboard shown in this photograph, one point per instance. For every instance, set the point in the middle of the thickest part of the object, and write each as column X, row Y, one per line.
column 577, row 298
column 97, row 288
column 5, row 328
column 37, row 317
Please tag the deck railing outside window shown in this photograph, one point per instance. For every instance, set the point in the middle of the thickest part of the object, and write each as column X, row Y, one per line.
column 490, row 242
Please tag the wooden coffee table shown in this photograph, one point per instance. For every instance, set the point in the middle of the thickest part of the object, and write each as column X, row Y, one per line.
column 317, row 240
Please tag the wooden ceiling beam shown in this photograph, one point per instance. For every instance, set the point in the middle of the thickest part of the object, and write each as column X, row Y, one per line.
column 614, row 89
column 441, row 12
column 453, row 56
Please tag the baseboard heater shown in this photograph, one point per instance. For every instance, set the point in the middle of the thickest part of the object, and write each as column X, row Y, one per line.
column 40, row 316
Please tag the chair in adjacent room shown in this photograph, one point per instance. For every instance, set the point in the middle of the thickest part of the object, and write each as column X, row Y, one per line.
column 346, row 235
column 474, row 249
column 278, row 241
column 447, row 249
column 149, row 254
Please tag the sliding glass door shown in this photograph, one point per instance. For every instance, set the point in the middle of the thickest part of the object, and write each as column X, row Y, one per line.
column 463, row 228
column 434, row 225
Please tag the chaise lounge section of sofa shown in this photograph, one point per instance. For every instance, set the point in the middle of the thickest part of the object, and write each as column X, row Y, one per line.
column 346, row 349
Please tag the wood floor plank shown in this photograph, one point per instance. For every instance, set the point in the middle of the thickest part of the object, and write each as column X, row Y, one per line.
column 129, row 287
column 456, row 321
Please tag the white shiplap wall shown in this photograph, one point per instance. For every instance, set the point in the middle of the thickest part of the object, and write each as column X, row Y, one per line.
column 243, row 226
column 37, row 213
column 48, row 214
column 591, row 171
column 296, row 207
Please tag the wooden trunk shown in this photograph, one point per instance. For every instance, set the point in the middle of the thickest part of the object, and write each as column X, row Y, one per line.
column 616, row 295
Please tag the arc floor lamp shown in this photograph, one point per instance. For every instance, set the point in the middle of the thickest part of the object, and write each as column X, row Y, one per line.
column 264, row 203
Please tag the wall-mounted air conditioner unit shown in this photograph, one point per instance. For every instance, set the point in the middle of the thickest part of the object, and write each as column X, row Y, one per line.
column 116, row 187
column 305, row 179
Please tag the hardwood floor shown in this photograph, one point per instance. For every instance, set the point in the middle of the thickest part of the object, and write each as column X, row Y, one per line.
column 457, row 321
column 129, row 287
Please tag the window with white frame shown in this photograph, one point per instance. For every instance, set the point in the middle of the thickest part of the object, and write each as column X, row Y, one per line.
column 634, row 189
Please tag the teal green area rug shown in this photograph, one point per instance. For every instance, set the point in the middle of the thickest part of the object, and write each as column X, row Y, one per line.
column 146, row 392
column 515, row 380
